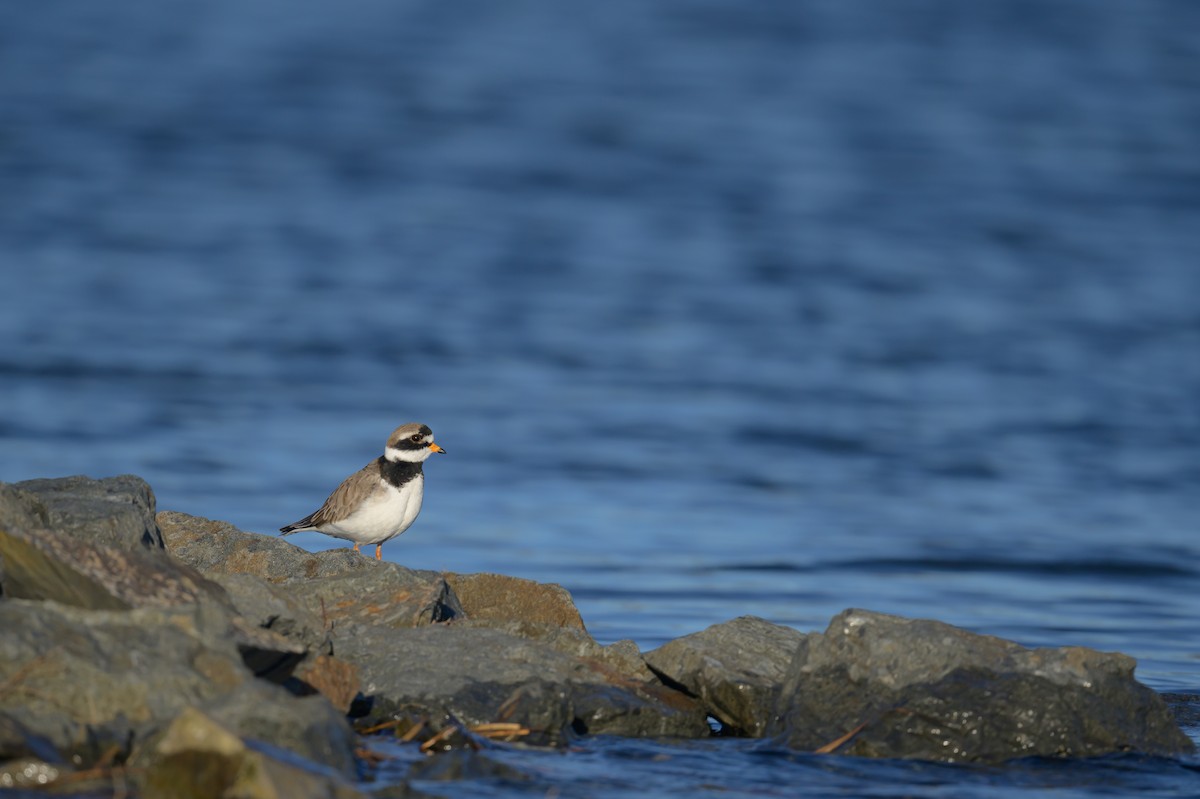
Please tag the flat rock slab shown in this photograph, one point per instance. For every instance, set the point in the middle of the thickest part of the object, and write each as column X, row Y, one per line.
column 340, row 587
column 735, row 668
column 882, row 686
column 216, row 547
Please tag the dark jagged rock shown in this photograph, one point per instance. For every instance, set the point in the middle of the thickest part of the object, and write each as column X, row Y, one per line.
column 735, row 668
column 67, row 669
column 114, row 511
column 275, row 608
column 106, row 638
column 541, row 612
column 72, row 674
column 47, row 564
column 479, row 676
column 71, row 570
column 308, row 726
column 891, row 687
column 621, row 656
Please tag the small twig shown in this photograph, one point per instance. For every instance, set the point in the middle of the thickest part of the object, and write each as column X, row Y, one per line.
column 324, row 615
column 413, row 732
column 506, row 730
column 370, row 756
column 393, row 724
column 435, row 740
column 509, row 706
column 837, row 742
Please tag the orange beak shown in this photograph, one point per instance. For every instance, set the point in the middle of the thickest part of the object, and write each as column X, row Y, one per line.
column 436, row 448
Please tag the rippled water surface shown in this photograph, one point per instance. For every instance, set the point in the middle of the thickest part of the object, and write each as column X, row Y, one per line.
column 717, row 308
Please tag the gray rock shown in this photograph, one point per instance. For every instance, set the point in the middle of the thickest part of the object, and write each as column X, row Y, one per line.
column 49, row 565
column 335, row 679
column 621, row 656
column 340, row 587
column 882, row 686
column 308, row 726
column 115, row 511
column 274, row 608
column 197, row 756
column 84, row 679
column 216, row 547
column 735, row 668
column 67, row 670
column 500, row 598
column 480, row 675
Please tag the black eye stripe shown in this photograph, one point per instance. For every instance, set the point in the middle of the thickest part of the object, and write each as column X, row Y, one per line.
column 420, row 438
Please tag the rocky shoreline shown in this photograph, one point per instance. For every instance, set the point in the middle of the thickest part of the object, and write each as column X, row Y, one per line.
column 180, row 656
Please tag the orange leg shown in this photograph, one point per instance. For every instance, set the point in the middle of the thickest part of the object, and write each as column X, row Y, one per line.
column 356, row 549
column 379, row 552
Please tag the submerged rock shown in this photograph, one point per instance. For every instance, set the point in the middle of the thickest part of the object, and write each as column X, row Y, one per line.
column 882, row 686
column 197, row 756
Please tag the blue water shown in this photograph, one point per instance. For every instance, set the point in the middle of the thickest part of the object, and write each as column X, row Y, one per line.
column 717, row 308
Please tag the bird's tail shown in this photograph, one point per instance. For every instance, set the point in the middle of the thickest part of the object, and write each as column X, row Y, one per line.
column 303, row 524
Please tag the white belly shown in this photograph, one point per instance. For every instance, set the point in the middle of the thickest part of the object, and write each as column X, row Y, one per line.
column 387, row 514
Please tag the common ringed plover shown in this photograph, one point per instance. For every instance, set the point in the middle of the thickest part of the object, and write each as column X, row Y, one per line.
column 381, row 500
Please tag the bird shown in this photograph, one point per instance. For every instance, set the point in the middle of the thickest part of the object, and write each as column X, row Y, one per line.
column 381, row 500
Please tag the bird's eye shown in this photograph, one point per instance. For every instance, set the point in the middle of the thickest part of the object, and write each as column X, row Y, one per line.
column 416, row 437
